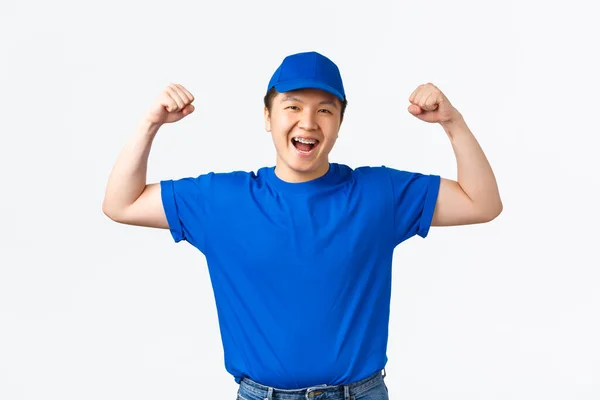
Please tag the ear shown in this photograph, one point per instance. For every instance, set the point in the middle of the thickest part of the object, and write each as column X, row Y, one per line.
column 267, row 120
column 341, row 120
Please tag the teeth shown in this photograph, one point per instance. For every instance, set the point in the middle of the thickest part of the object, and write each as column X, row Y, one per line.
column 305, row 141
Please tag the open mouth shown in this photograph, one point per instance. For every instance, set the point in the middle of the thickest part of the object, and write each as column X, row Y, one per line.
column 305, row 145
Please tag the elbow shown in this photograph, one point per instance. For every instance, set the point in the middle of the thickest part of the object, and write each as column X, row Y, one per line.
column 493, row 212
column 109, row 212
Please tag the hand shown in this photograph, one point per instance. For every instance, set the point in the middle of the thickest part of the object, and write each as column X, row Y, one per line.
column 429, row 104
column 173, row 103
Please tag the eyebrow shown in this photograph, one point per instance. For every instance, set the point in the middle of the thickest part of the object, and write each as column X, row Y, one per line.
column 294, row 98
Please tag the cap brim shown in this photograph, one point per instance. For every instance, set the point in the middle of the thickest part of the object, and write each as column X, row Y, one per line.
column 307, row 84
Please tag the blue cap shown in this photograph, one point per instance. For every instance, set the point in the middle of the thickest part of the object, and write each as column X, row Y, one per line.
column 308, row 70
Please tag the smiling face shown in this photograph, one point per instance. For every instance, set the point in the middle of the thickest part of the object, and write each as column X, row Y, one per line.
column 304, row 124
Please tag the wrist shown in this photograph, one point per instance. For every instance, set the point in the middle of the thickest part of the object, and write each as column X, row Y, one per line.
column 147, row 128
column 455, row 122
column 455, row 127
column 455, row 119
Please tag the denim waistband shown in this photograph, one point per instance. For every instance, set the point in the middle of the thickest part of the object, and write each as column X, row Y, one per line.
column 354, row 388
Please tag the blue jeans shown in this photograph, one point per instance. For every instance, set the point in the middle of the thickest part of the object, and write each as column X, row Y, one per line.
column 370, row 388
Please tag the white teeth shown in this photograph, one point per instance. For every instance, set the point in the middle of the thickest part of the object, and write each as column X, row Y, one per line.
column 305, row 141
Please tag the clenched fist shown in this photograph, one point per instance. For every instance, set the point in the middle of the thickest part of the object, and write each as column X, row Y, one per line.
column 429, row 104
column 173, row 103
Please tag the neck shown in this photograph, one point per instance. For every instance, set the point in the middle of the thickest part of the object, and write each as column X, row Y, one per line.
column 287, row 174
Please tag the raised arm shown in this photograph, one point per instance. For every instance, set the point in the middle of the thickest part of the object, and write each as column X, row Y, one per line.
column 128, row 198
column 474, row 197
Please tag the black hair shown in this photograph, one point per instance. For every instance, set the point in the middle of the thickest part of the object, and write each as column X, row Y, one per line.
column 271, row 93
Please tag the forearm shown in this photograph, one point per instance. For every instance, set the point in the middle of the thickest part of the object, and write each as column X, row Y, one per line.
column 475, row 175
column 127, row 179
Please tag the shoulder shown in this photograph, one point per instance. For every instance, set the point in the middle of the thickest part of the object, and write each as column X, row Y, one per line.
column 213, row 181
column 232, row 177
column 371, row 172
column 394, row 174
column 383, row 176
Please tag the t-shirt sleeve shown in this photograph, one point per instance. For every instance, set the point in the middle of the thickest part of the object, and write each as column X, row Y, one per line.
column 187, row 206
column 414, row 199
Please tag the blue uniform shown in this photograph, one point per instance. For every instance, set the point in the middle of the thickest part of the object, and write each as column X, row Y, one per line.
column 301, row 272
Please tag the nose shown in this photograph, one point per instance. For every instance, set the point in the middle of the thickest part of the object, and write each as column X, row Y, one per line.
column 307, row 121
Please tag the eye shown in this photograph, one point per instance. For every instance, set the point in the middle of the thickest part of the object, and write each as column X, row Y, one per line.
column 292, row 107
column 325, row 110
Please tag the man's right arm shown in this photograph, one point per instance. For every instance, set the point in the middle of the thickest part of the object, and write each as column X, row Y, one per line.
column 128, row 198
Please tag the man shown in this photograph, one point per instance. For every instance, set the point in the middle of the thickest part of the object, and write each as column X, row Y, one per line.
column 300, row 254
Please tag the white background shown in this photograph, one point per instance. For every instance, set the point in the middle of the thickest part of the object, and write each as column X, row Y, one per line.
column 91, row 309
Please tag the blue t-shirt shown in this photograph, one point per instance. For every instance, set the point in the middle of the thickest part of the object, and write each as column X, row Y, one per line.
column 301, row 272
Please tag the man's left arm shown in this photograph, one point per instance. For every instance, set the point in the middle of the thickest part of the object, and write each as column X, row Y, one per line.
column 474, row 197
